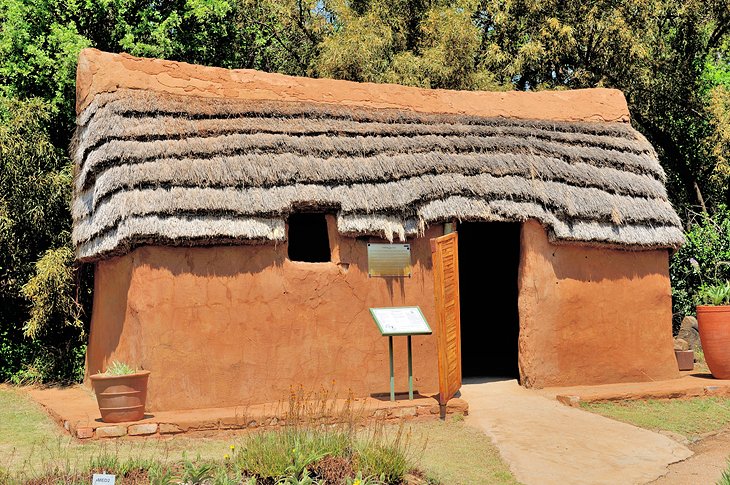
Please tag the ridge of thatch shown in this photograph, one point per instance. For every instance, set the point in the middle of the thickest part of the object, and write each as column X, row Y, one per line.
column 102, row 72
column 152, row 167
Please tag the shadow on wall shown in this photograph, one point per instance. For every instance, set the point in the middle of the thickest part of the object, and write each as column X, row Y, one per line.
column 349, row 261
column 595, row 264
column 115, row 278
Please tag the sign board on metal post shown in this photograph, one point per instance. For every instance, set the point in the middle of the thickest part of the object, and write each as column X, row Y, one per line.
column 389, row 259
column 395, row 321
column 404, row 320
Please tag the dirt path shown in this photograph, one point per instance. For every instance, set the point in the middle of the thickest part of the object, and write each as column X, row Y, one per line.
column 545, row 442
column 705, row 466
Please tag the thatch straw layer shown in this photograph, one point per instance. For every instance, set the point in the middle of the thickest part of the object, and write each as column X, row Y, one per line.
column 155, row 168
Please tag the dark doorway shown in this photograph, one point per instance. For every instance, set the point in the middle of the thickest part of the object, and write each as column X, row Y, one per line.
column 489, row 257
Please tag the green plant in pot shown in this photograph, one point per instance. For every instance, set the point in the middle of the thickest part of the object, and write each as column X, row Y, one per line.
column 121, row 392
column 713, row 320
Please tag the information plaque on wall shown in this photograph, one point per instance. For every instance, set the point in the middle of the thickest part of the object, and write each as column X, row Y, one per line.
column 404, row 320
column 389, row 259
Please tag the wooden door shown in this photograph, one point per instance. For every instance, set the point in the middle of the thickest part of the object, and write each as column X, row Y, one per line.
column 445, row 256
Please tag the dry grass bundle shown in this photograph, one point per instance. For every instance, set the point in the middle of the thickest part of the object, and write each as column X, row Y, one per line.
column 166, row 169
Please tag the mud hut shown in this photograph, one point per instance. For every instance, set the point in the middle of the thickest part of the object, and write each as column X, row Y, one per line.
column 228, row 215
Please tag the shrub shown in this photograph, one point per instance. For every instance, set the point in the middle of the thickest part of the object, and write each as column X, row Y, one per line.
column 701, row 261
column 40, row 329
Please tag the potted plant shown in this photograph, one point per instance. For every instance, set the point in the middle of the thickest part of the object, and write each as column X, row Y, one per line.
column 713, row 320
column 121, row 392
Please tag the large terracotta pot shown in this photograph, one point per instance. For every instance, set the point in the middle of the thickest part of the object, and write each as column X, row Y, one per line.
column 121, row 398
column 714, row 327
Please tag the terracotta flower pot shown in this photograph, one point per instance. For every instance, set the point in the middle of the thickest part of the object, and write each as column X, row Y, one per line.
column 121, row 398
column 714, row 327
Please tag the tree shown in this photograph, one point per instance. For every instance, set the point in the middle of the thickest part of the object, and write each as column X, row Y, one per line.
column 657, row 52
column 35, row 189
column 417, row 43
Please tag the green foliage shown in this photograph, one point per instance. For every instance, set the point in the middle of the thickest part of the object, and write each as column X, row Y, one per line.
column 197, row 31
column 388, row 461
column 117, row 368
column 196, row 472
column 39, row 45
column 290, row 453
column 223, row 476
column 291, row 450
column 160, row 475
column 283, row 35
column 50, row 291
column 426, row 44
column 40, row 331
column 297, row 473
column 717, row 294
column 63, row 363
column 702, row 261
column 719, row 140
column 294, row 478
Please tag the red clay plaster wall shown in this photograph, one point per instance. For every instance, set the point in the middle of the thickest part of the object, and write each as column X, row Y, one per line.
column 592, row 316
column 100, row 72
column 237, row 325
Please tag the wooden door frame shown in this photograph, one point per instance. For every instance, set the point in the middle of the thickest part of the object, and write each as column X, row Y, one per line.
column 448, row 315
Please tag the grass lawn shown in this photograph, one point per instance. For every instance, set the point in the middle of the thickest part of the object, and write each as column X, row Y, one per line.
column 688, row 417
column 448, row 452
column 459, row 454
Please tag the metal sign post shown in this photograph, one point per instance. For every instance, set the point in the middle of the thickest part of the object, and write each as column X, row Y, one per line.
column 400, row 321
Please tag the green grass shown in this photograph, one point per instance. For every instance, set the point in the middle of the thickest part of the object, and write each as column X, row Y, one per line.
column 31, row 445
column 456, row 453
column 688, row 417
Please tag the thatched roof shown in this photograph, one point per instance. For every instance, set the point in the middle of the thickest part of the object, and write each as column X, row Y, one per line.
column 156, row 167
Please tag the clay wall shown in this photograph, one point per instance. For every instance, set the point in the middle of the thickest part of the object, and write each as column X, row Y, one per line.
column 592, row 316
column 237, row 325
column 103, row 72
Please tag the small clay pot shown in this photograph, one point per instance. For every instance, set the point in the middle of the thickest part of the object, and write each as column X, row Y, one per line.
column 121, row 398
column 685, row 359
column 714, row 328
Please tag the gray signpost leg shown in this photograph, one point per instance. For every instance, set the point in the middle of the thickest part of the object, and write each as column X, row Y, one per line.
column 392, row 373
column 410, row 370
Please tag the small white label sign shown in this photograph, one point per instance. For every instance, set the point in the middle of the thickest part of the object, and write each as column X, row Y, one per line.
column 103, row 479
column 400, row 321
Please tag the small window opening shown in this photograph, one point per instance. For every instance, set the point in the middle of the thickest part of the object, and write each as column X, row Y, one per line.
column 308, row 238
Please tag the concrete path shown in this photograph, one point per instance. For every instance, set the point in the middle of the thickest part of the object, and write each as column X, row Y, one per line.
column 545, row 442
